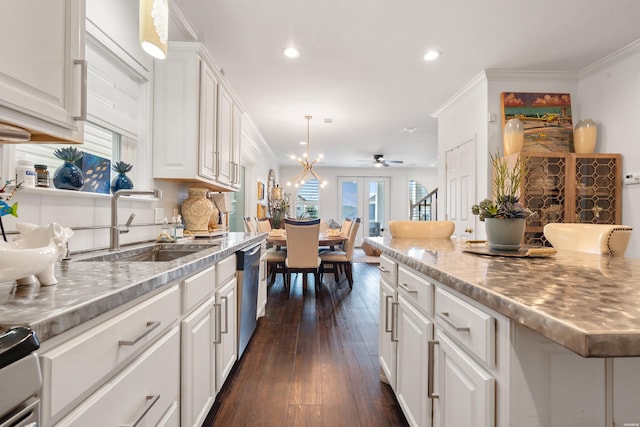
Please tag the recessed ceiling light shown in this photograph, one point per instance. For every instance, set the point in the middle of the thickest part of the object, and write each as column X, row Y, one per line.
column 303, row 143
column 291, row 52
column 431, row 55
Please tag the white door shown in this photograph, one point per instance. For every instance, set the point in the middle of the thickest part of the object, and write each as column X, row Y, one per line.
column 366, row 198
column 461, row 184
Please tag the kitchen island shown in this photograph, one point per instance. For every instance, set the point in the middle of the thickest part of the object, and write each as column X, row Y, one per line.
column 550, row 341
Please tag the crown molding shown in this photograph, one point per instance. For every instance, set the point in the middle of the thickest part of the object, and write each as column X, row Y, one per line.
column 619, row 55
column 479, row 78
column 506, row 75
column 182, row 21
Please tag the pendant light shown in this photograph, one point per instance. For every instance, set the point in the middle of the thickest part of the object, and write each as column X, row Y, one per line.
column 307, row 164
column 154, row 27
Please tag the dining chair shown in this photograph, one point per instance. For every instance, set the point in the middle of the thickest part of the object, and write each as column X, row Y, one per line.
column 422, row 229
column 264, row 224
column 602, row 239
column 276, row 263
column 302, row 250
column 324, row 225
column 249, row 226
column 346, row 226
column 337, row 261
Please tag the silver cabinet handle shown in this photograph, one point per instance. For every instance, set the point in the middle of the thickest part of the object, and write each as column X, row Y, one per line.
column 430, row 370
column 83, row 90
column 217, row 338
column 226, row 315
column 150, row 327
column 383, row 270
column 151, row 400
column 444, row 316
column 394, row 321
column 408, row 289
column 387, row 328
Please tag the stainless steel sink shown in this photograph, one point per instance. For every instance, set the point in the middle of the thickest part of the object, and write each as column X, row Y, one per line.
column 159, row 252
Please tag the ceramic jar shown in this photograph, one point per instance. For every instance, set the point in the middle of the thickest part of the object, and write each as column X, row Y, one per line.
column 197, row 209
column 513, row 136
column 68, row 177
column 121, row 182
column 584, row 137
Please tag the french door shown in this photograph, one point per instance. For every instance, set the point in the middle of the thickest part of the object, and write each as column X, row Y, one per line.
column 366, row 198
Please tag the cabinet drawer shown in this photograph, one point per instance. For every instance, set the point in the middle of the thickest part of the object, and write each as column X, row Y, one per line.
column 79, row 364
column 226, row 270
column 416, row 289
column 471, row 327
column 198, row 287
column 388, row 270
column 146, row 391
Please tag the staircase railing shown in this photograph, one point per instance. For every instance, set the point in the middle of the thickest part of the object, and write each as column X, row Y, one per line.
column 427, row 207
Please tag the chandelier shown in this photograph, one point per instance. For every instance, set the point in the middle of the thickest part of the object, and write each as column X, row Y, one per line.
column 307, row 165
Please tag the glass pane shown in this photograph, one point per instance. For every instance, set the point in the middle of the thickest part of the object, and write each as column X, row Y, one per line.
column 307, row 200
column 376, row 203
column 349, row 207
column 421, row 206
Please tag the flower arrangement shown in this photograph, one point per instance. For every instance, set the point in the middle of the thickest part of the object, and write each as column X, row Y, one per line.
column 506, row 185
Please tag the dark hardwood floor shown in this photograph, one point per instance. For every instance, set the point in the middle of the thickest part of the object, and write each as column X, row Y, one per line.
column 313, row 360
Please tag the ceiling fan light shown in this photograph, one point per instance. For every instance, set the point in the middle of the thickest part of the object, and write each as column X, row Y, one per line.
column 378, row 165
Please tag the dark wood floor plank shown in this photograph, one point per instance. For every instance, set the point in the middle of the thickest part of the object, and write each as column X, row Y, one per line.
column 313, row 360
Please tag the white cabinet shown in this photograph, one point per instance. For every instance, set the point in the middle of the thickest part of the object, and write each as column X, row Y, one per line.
column 387, row 332
column 42, row 72
column 415, row 331
column 466, row 391
column 145, row 393
column 227, row 334
column 262, row 283
column 194, row 121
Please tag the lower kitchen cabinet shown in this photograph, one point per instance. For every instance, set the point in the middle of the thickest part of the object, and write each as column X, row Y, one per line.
column 465, row 391
column 387, row 341
column 145, row 393
column 198, row 363
column 226, row 341
column 415, row 331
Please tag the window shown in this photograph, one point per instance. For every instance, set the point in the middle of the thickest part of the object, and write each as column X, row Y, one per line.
column 307, row 200
column 116, row 106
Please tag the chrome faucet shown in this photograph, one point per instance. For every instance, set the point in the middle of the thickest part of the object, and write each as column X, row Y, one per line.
column 114, row 241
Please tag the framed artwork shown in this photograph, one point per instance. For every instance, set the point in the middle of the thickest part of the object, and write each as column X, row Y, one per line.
column 97, row 173
column 547, row 119
column 261, row 211
column 260, row 190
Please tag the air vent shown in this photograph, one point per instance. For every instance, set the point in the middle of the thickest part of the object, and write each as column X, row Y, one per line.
column 408, row 130
column 328, row 120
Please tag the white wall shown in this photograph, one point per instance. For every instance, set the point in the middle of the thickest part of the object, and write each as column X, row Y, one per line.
column 399, row 192
column 609, row 93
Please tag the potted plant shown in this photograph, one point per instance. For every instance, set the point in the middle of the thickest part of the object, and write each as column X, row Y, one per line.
column 504, row 217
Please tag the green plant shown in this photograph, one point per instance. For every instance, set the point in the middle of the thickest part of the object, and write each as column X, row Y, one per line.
column 68, row 154
column 121, row 167
column 506, row 185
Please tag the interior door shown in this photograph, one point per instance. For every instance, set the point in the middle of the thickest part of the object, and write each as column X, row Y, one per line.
column 461, row 184
column 366, row 198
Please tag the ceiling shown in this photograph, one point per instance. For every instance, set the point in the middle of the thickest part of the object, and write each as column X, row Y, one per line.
column 362, row 65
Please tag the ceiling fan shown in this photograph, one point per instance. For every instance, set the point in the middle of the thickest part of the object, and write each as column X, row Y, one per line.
column 379, row 161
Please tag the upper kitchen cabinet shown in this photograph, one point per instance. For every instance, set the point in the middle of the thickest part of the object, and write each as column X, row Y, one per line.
column 196, row 138
column 43, row 71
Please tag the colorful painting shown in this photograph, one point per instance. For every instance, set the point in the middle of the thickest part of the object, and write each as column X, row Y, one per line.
column 261, row 211
column 260, row 190
column 546, row 117
column 97, row 173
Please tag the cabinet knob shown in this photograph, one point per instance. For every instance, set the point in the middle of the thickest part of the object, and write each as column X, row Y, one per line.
column 468, row 230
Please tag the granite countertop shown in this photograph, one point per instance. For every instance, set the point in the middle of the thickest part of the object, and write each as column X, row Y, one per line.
column 88, row 289
column 587, row 303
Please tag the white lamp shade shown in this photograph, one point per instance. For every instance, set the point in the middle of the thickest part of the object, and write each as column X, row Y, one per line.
column 154, row 27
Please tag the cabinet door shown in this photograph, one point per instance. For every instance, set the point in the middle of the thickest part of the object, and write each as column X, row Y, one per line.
column 235, row 146
column 598, row 189
column 262, row 285
column 41, row 75
column 225, row 136
column 208, row 106
column 414, row 333
column 466, row 391
column 198, row 364
column 227, row 339
column 387, row 332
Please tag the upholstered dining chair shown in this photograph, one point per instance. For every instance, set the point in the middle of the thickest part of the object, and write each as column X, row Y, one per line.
column 346, row 226
column 276, row 263
column 602, row 239
column 324, row 225
column 302, row 250
column 336, row 261
column 422, row 229
column 249, row 226
column 264, row 225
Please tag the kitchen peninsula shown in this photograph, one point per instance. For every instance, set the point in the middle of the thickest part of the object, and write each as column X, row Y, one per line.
column 550, row 341
column 126, row 340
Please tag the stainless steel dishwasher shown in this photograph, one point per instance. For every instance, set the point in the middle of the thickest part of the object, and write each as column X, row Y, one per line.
column 247, row 270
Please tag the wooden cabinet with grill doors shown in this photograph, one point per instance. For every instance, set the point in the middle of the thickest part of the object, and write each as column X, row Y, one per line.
column 570, row 187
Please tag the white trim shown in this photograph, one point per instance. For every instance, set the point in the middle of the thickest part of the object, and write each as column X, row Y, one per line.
column 480, row 78
column 627, row 51
column 520, row 75
column 187, row 29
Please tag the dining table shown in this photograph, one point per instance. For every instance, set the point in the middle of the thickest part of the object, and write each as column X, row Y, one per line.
column 279, row 239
